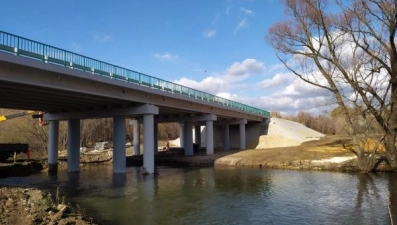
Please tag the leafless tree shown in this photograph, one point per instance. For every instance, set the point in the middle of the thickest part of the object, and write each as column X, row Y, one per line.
column 346, row 48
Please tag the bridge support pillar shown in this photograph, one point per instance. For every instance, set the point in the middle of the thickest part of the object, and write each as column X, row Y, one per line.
column 188, row 138
column 136, row 141
column 148, row 142
column 181, row 133
column 156, row 141
column 209, row 125
column 53, row 147
column 242, row 136
column 119, row 160
column 73, row 145
column 197, row 135
column 226, row 137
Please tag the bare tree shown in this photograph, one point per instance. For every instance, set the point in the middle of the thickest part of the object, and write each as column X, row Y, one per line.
column 348, row 49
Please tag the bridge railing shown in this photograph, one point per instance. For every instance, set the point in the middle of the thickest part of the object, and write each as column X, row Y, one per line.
column 28, row 48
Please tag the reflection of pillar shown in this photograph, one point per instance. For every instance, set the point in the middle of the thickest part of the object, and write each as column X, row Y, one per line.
column 209, row 126
column 73, row 145
column 149, row 186
column 181, row 133
column 242, row 136
column 188, row 138
column 53, row 146
column 226, row 137
column 119, row 161
column 156, row 142
column 197, row 135
column 136, row 143
column 148, row 142
column 119, row 180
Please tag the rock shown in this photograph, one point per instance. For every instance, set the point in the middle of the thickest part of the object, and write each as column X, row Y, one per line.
column 61, row 207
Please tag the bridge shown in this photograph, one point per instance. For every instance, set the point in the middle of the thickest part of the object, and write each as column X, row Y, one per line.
column 69, row 86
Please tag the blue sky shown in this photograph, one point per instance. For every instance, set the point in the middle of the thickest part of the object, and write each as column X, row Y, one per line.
column 217, row 46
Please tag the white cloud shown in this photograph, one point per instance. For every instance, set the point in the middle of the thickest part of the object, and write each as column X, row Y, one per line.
column 103, row 38
column 230, row 79
column 279, row 80
column 165, row 56
column 240, row 25
column 244, row 68
column 247, row 11
column 210, row 84
column 283, row 92
column 208, row 33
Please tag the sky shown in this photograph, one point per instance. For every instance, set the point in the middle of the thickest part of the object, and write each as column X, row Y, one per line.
column 217, row 46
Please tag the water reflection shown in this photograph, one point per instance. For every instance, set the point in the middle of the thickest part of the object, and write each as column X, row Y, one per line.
column 225, row 196
column 255, row 182
column 392, row 203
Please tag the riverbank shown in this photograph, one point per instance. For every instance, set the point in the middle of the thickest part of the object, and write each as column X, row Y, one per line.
column 33, row 206
column 328, row 153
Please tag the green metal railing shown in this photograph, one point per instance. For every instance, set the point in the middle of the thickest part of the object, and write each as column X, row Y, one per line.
column 28, row 48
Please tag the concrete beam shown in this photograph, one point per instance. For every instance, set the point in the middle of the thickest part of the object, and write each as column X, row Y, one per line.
column 53, row 79
column 223, row 122
column 126, row 112
column 187, row 118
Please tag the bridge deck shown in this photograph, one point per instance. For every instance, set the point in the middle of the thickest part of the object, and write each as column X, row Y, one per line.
column 41, row 77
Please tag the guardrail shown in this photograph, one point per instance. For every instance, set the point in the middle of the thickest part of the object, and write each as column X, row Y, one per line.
column 20, row 46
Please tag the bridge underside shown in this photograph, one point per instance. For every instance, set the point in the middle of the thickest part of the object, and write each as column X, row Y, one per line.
column 33, row 85
column 69, row 94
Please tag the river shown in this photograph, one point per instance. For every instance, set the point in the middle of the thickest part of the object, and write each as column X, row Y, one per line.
column 225, row 195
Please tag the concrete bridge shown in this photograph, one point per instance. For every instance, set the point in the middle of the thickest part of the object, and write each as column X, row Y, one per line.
column 68, row 86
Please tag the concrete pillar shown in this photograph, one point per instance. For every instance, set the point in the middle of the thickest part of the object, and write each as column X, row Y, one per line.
column 156, row 141
column 197, row 135
column 53, row 146
column 148, row 142
column 242, row 136
column 226, row 137
column 209, row 127
column 136, row 142
column 73, row 145
column 119, row 160
column 181, row 133
column 188, row 138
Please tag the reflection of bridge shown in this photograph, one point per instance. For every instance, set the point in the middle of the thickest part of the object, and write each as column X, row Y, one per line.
column 69, row 86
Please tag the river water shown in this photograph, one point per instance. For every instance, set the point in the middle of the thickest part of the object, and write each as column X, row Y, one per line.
column 225, row 196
